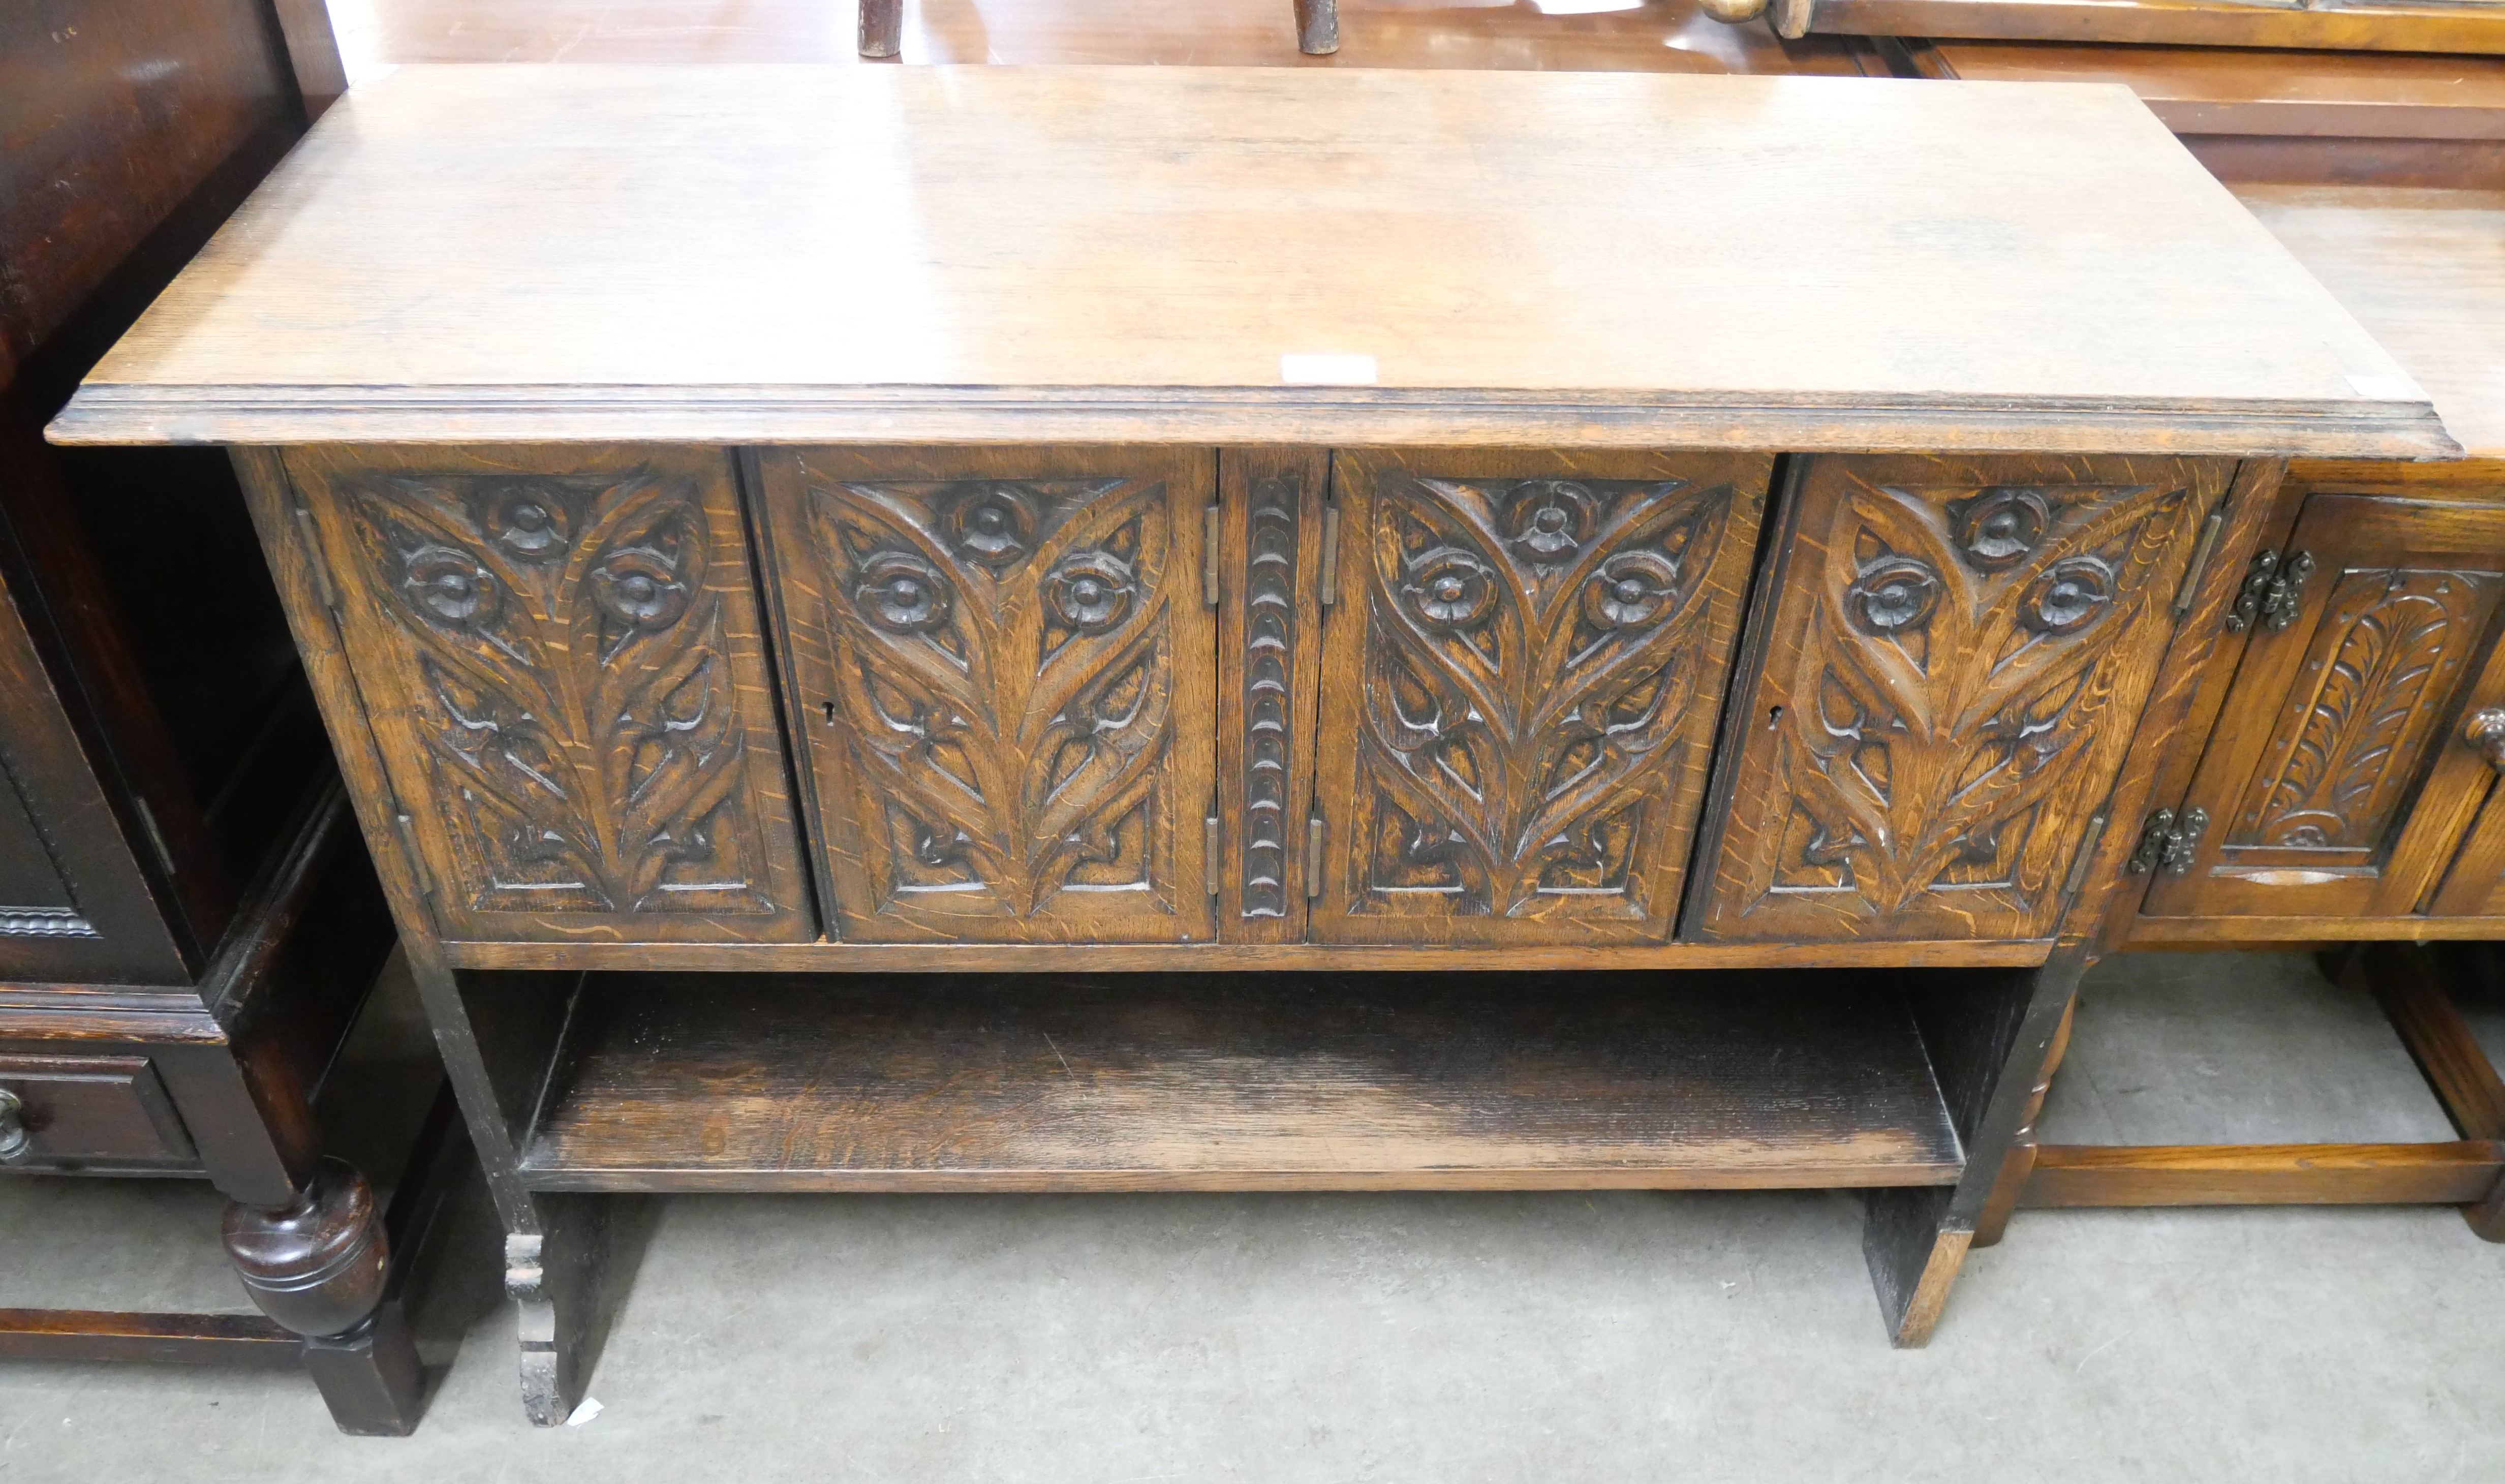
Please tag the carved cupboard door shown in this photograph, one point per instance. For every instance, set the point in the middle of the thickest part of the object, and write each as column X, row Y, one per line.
column 1002, row 663
column 1522, row 663
column 1956, row 660
column 560, row 651
column 2338, row 781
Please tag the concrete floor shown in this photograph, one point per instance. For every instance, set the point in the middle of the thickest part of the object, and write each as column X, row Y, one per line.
column 1439, row 1339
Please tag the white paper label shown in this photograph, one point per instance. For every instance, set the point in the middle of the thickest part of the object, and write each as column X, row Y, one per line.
column 1327, row 371
column 2386, row 388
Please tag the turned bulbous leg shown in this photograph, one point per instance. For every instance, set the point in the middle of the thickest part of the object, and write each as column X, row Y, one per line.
column 319, row 1266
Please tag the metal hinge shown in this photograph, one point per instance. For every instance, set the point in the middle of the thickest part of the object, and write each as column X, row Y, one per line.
column 1209, row 556
column 1314, row 831
column 2168, row 843
column 1330, row 554
column 1209, row 847
column 2273, row 590
column 407, row 827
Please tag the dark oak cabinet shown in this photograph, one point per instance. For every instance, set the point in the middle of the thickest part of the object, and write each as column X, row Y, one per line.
column 2349, row 770
column 1471, row 696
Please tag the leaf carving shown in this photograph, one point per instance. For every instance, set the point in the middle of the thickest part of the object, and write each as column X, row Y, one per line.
column 1533, row 648
column 1961, row 650
column 2366, row 722
column 1003, row 668
column 573, row 685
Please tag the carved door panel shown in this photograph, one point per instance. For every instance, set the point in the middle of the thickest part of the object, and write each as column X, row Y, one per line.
column 2336, row 782
column 74, row 901
column 1521, row 668
column 560, row 651
column 1958, row 655
column 1002, row 663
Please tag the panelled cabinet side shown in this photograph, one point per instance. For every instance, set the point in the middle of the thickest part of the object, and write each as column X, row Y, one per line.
column 1002, row 664
column 560, row 651
column 1522, row 667
column 1958, row 655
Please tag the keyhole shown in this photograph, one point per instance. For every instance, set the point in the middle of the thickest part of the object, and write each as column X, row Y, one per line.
column 1773, row 717
column 830, row 713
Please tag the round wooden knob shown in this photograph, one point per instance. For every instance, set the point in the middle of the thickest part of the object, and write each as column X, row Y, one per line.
column 2485, row 734
column 16, row 1142
column 1733, row 12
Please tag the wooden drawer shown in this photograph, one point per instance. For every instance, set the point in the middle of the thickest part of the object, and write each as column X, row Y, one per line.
column 1520, row 670
column 560, row 651
column 77, row 1108
column 1001, row 665
column 1956, row 658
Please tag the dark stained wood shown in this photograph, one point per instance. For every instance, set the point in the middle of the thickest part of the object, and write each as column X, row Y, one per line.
column 1522, row 667
column 202, row 1339
column 1170, row 958
column 77, row 1108
column 2011, row 1182
column 1956, row 656
column 2333, row 787
column 1198, row 1083
column 562, row 651
column 2263, row 1174
column 1002, row 667
column 1269, row 678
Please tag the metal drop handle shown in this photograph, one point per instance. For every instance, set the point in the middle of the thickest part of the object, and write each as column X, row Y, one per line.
column 2486, row 736
column 16, row 1142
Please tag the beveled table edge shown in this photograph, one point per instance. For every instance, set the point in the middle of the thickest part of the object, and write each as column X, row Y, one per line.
column 116, row 414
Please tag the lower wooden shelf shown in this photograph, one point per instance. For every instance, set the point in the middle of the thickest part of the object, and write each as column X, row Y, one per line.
column 1244, row 1082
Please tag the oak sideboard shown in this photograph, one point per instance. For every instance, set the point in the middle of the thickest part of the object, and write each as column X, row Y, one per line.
column 1392, row 630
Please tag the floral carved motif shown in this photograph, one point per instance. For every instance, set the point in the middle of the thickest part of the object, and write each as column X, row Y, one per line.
column 1002, row 673
column 573, row 685
column 1533, row 649
column 1960, row 661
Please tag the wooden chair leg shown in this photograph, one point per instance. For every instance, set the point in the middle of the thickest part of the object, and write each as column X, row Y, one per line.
column 320, row 1266
column 1318, row 27
column 882, row 27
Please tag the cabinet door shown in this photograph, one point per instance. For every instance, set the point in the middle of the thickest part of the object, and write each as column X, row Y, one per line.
column 558, row 650
column 1002, row 662
column 1520, row 670
column 1958, row 653
column 2329, row 787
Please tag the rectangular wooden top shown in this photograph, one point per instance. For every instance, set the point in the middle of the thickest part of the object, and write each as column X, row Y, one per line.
column 1012, row 254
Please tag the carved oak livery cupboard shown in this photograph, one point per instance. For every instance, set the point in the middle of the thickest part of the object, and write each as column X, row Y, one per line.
column 763, row 534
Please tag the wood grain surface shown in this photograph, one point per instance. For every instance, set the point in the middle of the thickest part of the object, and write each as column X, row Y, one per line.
column 2337, row 784
column 1125, row 254
column 1947, row 686
column 1244, row 1082
column 1206, row 958
column 1522, row 669
column 2420, row 269
column 2250, row 90
column 2263, row 1174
